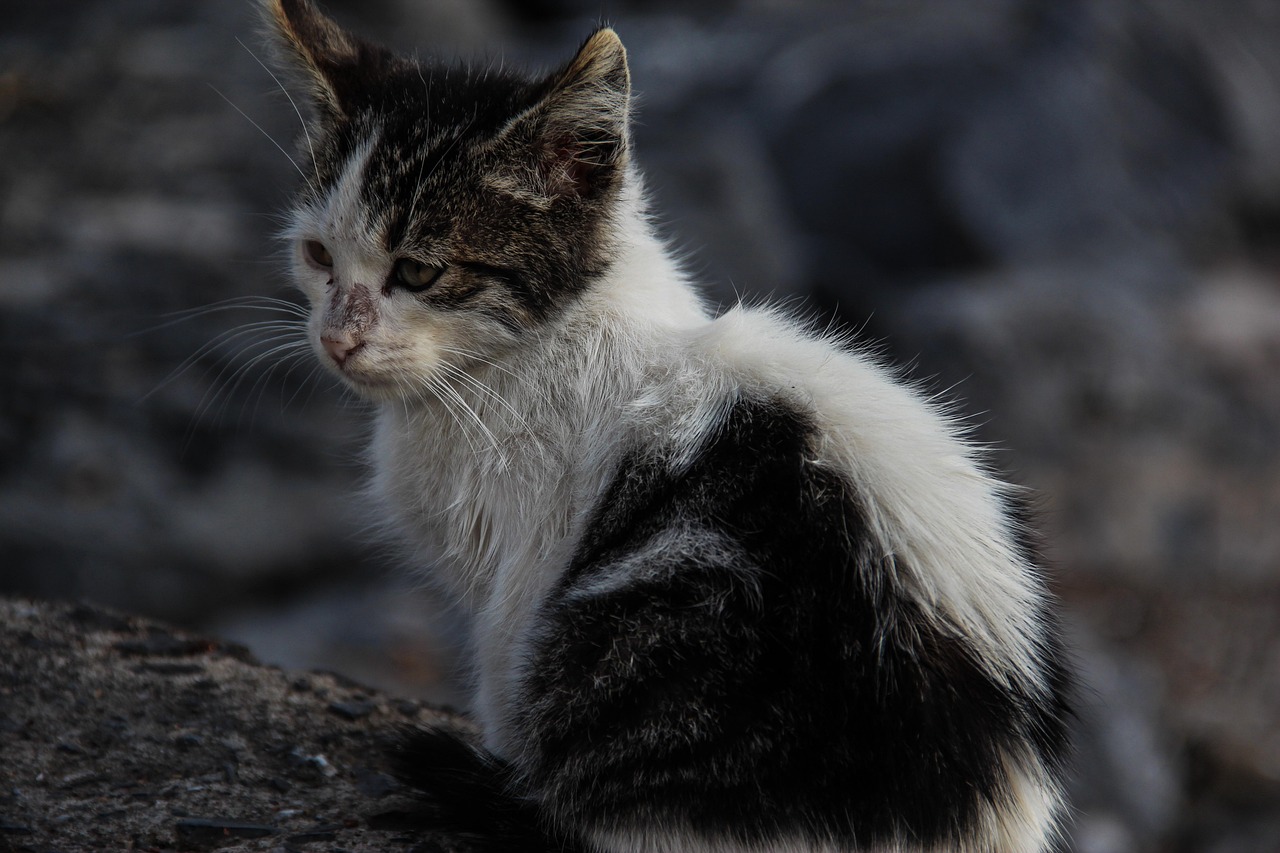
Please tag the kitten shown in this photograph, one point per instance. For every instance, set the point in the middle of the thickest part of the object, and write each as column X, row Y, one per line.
column 729, row 585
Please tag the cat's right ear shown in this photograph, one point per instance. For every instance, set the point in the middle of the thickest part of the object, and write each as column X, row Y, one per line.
column 339, row 69
column 577, row 132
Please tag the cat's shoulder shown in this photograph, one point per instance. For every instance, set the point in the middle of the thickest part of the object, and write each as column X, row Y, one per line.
column 848, row 391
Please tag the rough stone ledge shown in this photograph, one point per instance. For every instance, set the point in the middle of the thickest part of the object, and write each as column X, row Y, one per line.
column 119, row 733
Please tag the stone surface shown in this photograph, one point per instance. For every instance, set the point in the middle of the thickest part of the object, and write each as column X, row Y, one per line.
column 121, row 733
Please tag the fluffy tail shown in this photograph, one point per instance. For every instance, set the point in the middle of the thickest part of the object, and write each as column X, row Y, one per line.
column 467, row 793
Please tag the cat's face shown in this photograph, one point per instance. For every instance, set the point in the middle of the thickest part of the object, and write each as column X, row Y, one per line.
column 449, row 212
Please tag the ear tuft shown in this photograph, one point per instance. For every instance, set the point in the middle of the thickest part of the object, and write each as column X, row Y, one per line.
column 601, row 61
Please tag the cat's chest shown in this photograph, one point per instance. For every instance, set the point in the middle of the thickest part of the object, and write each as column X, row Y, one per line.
column 472, row 510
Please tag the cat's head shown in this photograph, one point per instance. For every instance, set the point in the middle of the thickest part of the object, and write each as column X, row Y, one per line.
column 448, row 212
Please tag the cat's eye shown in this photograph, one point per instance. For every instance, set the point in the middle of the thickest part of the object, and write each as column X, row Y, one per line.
column 317, row 253
column 414, row 276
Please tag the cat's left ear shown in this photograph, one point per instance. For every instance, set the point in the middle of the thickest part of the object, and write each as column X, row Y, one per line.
column 577, row 131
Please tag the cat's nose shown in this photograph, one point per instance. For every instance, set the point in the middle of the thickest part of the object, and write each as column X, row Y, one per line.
column 340, row 345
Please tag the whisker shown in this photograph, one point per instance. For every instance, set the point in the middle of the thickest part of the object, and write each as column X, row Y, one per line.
column 452, row 402
column 281, row 355
column 439, row 389
column 430, row 383
column 306, row 132
column 222, row 391
column 267, row 135
column 251, row 303
column 417, row 190
column 475, row 356
column 216, row 343
column 481, row 388
column 308, row 382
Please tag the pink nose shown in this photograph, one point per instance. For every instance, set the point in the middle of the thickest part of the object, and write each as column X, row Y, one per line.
column 340, row 345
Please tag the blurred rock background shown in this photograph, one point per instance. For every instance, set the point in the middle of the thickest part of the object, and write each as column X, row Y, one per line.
column 1066, row 213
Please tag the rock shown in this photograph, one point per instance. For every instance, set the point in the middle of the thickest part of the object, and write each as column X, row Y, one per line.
column 356, row 709
column 206, row 833
column 1129, row 789
column 1138, row 401
column 1110, row 135
column 99, row 753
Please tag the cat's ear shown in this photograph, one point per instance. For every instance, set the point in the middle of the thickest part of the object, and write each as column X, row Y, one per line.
column 577, row 131
column 340, row 69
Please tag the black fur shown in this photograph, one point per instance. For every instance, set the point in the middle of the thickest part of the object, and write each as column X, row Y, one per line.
column 796, row 691
column 468, row 792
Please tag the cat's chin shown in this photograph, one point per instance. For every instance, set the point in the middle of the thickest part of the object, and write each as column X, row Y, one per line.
column 374, row 388
column 381, row 389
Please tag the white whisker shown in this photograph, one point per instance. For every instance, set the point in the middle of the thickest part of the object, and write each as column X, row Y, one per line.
column 417, row 190
column 305, row 130
column 264, row 133
column 280, row 355
column 475, row 356
column 221, row 340
column 483, row 389
column 249, row 303
column 224, row 392
column 479, row 421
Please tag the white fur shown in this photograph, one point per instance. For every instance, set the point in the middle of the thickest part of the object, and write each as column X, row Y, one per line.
column 1027, row 823
column 650, row 840
column 494, row 501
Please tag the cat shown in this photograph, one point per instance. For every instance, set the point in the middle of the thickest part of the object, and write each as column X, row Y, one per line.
column 730, row 585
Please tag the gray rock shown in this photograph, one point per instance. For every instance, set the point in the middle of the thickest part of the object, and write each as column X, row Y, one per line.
column 1110, row 134
column 1129, row 790
column 1154, row 458
column 120, row 775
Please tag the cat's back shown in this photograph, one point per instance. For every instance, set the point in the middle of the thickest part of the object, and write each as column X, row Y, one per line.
column 925, row 495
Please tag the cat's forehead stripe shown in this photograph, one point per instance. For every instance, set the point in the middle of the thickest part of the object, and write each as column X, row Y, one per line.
column 429, row 119
column 344, row 210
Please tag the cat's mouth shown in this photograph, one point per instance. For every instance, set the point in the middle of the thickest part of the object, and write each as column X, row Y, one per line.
column 345, row 357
